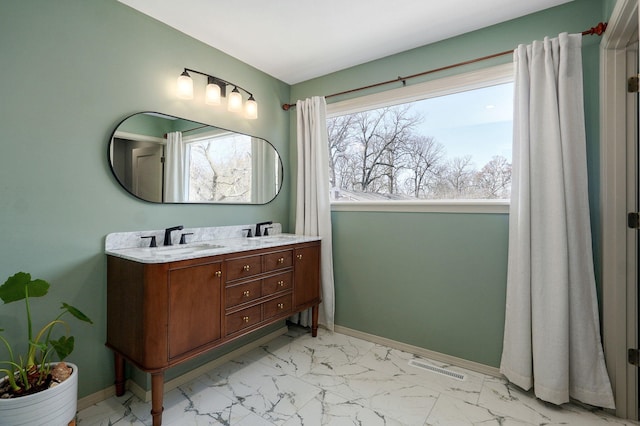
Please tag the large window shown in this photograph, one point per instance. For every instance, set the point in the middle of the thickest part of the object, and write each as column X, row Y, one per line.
column 442, row 140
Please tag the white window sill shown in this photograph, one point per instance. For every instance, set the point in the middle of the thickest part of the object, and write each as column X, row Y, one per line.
column 431, row 206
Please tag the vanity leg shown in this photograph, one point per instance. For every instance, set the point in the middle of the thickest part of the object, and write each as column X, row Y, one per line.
column 157, row 389
column 314, row 321
column 119, row 369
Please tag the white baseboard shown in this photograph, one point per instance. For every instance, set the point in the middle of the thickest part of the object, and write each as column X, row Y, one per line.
column 96, row 397
column 145, row 395
column 436, row 356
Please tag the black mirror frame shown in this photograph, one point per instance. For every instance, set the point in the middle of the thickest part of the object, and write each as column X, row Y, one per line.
column 122, row 185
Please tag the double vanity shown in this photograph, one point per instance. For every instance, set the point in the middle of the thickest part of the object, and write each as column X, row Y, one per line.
column 169, row 304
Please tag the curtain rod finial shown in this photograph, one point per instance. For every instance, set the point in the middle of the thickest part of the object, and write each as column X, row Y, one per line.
column 286, row 107
column 597, row 30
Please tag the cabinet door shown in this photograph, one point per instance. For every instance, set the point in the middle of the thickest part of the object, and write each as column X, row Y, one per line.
column 306, row 275
column 195, row 296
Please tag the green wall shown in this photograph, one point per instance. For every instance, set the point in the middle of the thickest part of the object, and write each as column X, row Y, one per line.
column 71, row 70
column 433, row 280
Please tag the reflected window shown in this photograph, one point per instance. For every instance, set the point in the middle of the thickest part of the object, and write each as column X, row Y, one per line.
column 231, row 168
column 220, row 169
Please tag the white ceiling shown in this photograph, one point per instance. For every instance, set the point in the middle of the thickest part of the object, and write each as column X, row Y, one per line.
column 296, row 40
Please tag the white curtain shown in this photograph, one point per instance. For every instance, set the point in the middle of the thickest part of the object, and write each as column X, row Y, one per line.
column 264, row 177
column 176, row 168
column 552, row 333
column 313, row 209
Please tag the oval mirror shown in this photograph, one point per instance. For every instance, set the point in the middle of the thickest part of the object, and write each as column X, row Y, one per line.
column 165, row 159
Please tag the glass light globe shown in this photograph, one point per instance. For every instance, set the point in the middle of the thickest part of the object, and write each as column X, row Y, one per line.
column 185, row 86
column 234, row 103
column 251, row 108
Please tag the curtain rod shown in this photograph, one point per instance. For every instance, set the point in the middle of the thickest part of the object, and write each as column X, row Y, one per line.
column 597, row 30
column 191, row 130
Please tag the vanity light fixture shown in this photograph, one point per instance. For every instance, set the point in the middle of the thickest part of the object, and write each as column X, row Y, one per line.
column 216, row 89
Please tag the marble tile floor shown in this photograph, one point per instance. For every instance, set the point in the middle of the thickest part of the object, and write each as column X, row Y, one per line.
column 335, row 379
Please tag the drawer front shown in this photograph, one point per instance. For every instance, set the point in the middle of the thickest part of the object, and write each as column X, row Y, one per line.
column 243, row 267
column 242, row 293
column 243, row 319
column 278, row 260
column 278, row 283
column 277, row 307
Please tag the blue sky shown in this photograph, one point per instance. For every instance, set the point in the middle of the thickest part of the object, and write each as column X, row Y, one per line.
column 476, row 122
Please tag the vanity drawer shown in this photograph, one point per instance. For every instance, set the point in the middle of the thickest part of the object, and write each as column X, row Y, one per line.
column 277, row 283
column 276, row 307
column 244, row 318
column 243, row 267
column 278, row 260
column 241, row 293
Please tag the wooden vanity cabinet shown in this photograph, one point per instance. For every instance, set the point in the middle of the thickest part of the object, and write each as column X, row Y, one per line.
column 162, row 314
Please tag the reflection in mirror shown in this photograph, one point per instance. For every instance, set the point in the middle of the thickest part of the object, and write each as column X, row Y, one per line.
column 165, row 159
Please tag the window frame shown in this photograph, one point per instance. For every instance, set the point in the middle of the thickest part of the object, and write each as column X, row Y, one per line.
column 490, row 76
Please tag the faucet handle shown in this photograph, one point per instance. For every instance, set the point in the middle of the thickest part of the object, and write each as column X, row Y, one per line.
column 249, row 235
column 266, row 230
column 153, row 240
column 183, row 239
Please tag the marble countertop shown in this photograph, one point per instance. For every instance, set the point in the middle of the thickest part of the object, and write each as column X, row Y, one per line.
column 212, row 247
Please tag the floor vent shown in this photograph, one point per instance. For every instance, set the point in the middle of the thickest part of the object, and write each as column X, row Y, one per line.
column 437, row 370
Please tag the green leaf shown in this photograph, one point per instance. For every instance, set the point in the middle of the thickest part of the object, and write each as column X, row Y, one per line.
column 39, row 346
column 15, row 288
column 63, row 346
column 76, row 313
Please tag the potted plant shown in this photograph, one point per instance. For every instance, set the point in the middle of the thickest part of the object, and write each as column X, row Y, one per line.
column 35, row 389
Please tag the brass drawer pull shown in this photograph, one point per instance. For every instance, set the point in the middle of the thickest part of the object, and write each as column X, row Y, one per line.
column 246, row 293
column 246, row 267
column 281, row 260
column 245, row 319
column 280, row 306
column 299, row 257
column 218, row 274
column 281, row 283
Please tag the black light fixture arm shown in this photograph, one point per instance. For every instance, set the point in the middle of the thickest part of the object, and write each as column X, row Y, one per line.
column 219, row 81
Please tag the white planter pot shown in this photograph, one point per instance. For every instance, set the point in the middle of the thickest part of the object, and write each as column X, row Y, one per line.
column 53, row 407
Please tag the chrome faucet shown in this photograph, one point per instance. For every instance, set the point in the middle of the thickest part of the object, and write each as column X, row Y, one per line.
column 258, row 232
column 167, row 234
